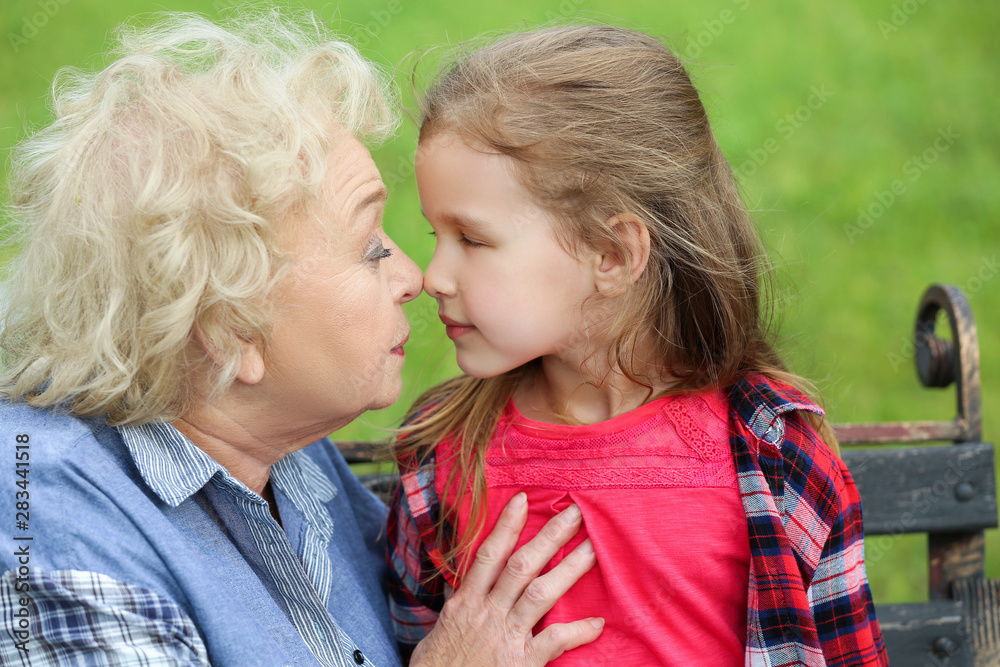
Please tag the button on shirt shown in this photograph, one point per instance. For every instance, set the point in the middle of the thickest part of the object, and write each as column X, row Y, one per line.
column 315, row 577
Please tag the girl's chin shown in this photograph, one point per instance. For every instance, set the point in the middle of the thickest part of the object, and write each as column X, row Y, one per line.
column 477, row 369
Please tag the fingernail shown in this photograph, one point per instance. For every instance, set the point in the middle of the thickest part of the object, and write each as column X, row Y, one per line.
column 598, row 623
column 518, row 501
column 571, row 514
column 587, row 547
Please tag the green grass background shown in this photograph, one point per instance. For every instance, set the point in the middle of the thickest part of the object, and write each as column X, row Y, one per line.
column 894, row 75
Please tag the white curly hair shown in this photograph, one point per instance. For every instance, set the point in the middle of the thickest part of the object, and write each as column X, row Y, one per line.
column 148, row 209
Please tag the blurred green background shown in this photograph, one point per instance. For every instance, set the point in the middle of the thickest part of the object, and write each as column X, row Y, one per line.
column 865, row 135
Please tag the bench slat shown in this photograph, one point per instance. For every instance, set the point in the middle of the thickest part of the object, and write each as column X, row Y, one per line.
column 904, row 490
column 925, row 489
column 900, row 432
column 925, row 633
column 361, row 452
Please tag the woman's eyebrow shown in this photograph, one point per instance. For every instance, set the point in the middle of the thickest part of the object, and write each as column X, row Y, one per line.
column 379, row 196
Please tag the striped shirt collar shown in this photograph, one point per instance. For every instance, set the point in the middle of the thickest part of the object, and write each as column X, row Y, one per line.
column 175, row 468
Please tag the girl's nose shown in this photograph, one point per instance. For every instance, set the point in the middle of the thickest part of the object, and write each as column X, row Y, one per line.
column 437, row 281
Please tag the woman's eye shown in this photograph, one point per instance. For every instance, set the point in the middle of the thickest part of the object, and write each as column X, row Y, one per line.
column 379, row 252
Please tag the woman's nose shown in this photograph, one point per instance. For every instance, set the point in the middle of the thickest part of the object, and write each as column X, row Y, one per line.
column 408, row 276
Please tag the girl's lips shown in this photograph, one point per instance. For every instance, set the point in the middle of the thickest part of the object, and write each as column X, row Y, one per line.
column 455, row 329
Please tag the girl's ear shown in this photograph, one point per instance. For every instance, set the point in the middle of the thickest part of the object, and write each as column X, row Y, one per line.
column 615, row 273
column 251, row 369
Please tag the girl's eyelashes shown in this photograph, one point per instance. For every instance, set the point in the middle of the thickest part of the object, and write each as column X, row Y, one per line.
column 469, row 243
column 463, row 239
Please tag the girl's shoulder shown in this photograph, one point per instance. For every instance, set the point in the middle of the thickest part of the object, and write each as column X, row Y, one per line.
column 786, row 447
column 761, row 404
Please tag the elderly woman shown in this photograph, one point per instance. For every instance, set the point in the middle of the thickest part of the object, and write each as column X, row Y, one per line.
column 205, row 291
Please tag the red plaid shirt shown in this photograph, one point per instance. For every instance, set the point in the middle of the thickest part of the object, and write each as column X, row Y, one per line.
column 809, row 601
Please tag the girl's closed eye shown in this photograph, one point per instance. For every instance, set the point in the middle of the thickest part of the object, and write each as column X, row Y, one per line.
column 464, row 240
column 469, row 243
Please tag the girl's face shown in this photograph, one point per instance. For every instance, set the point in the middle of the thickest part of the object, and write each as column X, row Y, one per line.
column 506, row 289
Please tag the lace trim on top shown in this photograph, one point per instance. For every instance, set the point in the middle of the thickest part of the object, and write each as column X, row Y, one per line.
column 675, row 441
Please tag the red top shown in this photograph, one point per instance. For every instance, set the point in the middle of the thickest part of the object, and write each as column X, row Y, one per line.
column 658, row 490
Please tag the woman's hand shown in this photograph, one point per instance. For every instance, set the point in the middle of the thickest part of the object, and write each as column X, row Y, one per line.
column 488, row 621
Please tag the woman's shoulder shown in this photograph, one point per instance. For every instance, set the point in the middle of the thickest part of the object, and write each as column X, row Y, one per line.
column 83, row 499
column 76, row 469
column 17, row 417
column 54, row 439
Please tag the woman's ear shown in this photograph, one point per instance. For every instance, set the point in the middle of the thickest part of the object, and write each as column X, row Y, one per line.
column 251, row 370
column 251, row 363
column 615, row 271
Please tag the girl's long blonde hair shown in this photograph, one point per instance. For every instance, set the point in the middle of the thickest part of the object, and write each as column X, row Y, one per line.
column 597, row 121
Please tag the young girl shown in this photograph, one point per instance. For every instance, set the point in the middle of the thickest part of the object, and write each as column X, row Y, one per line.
column 603, row 286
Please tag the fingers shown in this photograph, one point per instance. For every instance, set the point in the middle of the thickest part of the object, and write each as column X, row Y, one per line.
column 528, row 561
column 542, row 593
column 554, row 640
column 496, row 549
column 490, row 618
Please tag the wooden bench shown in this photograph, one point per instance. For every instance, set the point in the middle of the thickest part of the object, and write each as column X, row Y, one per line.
column 947, row 492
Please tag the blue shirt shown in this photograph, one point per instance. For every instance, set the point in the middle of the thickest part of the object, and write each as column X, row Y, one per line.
column 134, row 540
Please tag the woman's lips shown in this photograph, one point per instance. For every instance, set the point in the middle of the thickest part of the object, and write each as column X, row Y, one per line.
column 398, row 350
column 455, row 329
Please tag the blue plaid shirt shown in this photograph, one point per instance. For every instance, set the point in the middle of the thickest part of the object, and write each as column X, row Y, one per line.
column 142, row 550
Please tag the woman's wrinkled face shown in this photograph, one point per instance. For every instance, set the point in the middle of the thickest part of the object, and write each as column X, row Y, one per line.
column 337, row 344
